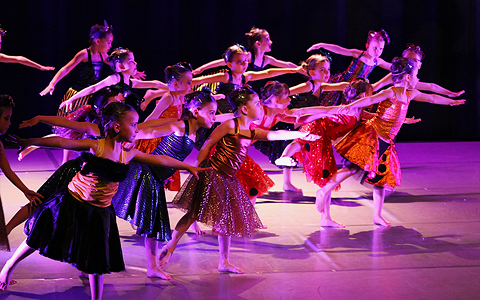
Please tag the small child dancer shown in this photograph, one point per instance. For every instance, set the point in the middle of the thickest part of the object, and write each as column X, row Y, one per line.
column 78, row 225
column 6, row 110
column 370, row 147
column 20, row 59
column 258, row 43
column 217, row 198
column 141, row 197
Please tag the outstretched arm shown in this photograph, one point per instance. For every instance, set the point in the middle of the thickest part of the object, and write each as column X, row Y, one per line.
column 83, row 127
column 383, row 64
column 24, row 61
column 219, row 77
column 251, row 76
column 216, row 135
column 55, row 142
column 278, row 135
column 435, row 99
column 432, row 87
column 270, row 60
column 151, row 132
column 149, row 84
column 382, row 82
column 161, row 106
column 212, row 64
column 336, row 49
column 369, row 100
column 79, row 57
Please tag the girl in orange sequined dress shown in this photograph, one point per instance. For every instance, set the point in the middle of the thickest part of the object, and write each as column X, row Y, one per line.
column 370, row 146
column 217, row 198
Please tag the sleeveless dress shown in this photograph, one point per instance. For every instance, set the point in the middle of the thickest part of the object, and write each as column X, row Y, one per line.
column 141, row 200
column 371, row 145
column 77, row 224
column 217, row 198
column 89, row 73
column 227, row 88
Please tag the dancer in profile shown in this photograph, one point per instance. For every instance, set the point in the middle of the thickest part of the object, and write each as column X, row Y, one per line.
column 78, row 224
column 370, row 147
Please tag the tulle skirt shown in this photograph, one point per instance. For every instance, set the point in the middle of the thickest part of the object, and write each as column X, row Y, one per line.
column 253, row 179
column 68, row 230
column 220, row 202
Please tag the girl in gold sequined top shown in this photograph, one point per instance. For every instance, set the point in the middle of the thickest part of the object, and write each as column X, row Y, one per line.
column 370, row 146
column 217, row 197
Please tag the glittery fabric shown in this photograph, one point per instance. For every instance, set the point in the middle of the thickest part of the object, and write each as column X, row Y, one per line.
column 362, row 145
column 147, row 146
column 317, row 157
column 253, row 179
column 141, row 197
column 217, row 198
column 78, row 115
column 357, row 68
column 76, row 105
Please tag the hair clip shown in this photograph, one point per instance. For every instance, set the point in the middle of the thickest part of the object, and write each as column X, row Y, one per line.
column 185, row 65
column 2, row 31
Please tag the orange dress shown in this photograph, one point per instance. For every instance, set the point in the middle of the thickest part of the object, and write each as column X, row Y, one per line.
column 371, row 145
column 147, row 146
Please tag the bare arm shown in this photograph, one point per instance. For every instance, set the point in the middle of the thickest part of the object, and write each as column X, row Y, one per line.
column 435, row 99
column 336, row 49
column 251, row 76
column 382, row 82
column 24, row 61
column 369, row 100
column 149, row 84
column 161, row 106
column 219, row 77
column 56, row 142
column 432, row 87
column 83, row 127
column 216, row 135
column 79, row 57
column 383, row 64
column 270, row 60
column 212, row 64
column 159, row 131
column 301, row 88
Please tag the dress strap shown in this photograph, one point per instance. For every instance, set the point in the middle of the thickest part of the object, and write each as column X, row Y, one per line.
column 100, row 147
column 263, row 62
column 89, row 56
column 361, row 54
column 237, row 128
column 187, row 128
column 230, row 76
column 243, row 79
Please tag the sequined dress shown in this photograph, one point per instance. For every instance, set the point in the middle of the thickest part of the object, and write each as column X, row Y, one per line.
column 77, row 224
column 217, row 198
column 371, row 145
column 141, row 196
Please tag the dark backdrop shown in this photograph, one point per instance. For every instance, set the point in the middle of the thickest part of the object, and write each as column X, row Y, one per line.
column 162, row 33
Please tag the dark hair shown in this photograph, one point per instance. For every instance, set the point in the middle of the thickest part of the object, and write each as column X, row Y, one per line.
column 414, row 49
column 100, row 98
column 312, row 61
column 6, row 101
column 197, row 99
column 401, row 66
column 113, row 112
column 117, row 56
column 231, row 51
column 356, row 87
column 2, row 31
column 240, row 97
column 254, row 35
column 274, row 88
column 99, row 31
column 176, row 71
column 382, row 34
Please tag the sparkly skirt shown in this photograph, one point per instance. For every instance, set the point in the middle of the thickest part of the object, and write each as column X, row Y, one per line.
column 363, row 147
column 317, row 157
column 220, row 202
column 253, row 179
column 71, row 115
column 140, row 200
column 68, row 230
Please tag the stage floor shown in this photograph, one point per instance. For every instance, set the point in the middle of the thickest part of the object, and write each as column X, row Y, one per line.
column 432, row 250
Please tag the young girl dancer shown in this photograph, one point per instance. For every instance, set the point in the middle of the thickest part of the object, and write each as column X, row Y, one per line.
column 370, row 146
column 20, row 59
column 217, row 198
column 258, row 43
column 77, row 225
column 6, row 110
column 141, row 198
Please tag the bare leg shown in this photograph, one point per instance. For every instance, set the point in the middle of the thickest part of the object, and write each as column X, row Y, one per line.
column 287, row 181
column 326, row 219
column 96, row 286
column 182, row 226
column 291, row 149
column 224, row 264
column 22, row 252
column 378, row 198
column 327, row 189
column 21, row 216
column 195, row 227
column 151, row 251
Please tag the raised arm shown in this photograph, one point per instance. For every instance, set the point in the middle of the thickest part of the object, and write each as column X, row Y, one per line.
column 435, row 99
column 83, row 127
column 382, row 82
column 210, row 65
column 270, row 60
column 161, row 106
column 432, row 87
column 336, row 49
column 269, row 73
column 79, row 57
column 24, row 61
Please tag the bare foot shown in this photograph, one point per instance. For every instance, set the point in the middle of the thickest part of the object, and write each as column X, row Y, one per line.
column 5, row 278
column 228, row 267
column 320, row 201
column 381, row 221
column 195, row 227
column 164, row 257
column 157, row 273
column 324, row 222
column 291, row 188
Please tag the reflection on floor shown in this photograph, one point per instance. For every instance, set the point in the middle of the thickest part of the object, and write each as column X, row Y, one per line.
column 432, row 250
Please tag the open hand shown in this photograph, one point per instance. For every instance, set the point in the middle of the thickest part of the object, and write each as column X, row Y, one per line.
column 48, row 90
column 140, row 75
column 195, row 170
column 48, row 68
column 315, row 47
column 453, row 95
column 18, row 141
column 457, row 102
column 29, row 123
column 411, row 120
column 33, row 197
